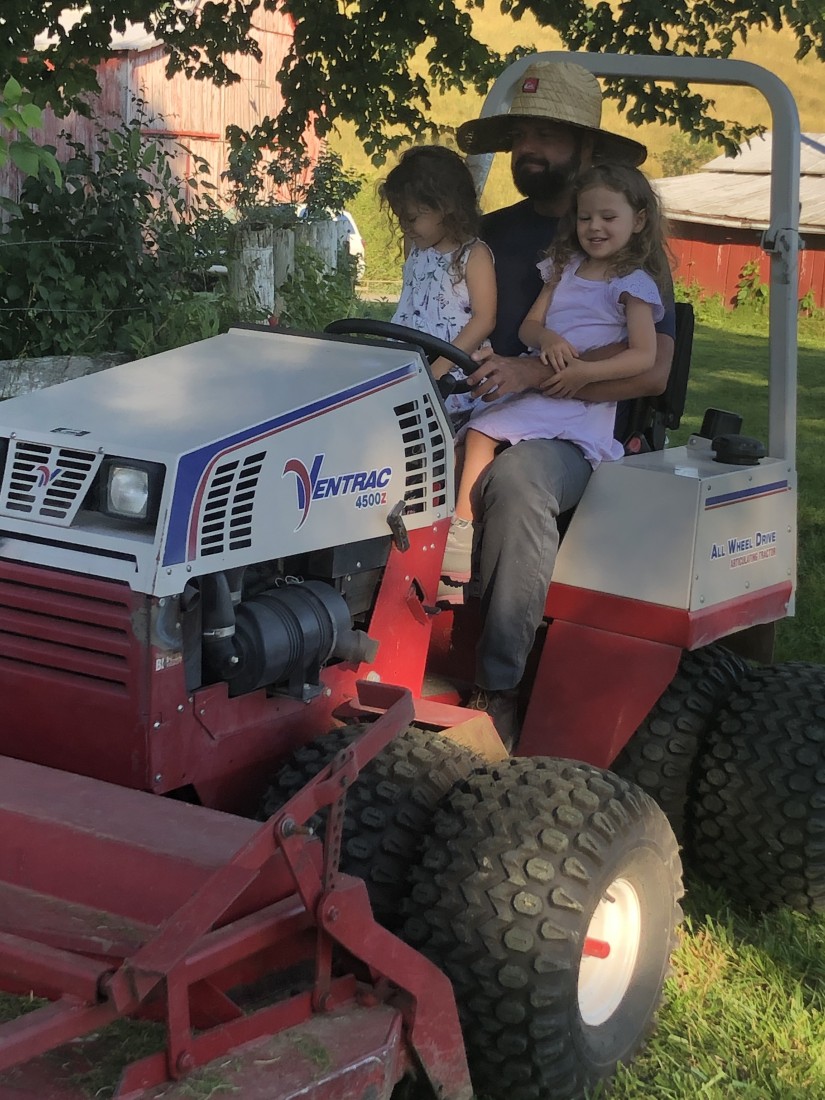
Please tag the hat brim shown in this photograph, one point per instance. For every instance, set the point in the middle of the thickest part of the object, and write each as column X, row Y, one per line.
column 495, row 135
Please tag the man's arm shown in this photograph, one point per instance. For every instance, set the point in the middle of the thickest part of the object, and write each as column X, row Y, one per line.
column 649, row 384
column 502, row 374
column 499, row 375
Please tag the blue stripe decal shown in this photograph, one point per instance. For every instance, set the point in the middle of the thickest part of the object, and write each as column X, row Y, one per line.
column 746, row 494
column 192, row 466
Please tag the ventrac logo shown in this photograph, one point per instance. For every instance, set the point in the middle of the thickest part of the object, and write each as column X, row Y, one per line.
column 45, row 476
column 369, row 485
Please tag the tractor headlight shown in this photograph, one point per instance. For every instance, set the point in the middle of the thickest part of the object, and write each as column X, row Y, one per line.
column 131, row 490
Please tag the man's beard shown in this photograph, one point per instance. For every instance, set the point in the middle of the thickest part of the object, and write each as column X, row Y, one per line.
column 546, row 185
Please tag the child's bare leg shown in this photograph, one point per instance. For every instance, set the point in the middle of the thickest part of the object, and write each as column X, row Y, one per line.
column 479, row 452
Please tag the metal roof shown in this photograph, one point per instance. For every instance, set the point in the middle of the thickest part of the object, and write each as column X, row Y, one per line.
column 735, row 191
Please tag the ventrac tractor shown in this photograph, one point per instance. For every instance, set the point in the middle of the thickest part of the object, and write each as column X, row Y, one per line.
column 240, row 797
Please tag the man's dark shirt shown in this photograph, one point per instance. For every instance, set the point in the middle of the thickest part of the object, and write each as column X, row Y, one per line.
column 518, row 238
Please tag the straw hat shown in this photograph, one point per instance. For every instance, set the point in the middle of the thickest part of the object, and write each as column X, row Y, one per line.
column 559, row 92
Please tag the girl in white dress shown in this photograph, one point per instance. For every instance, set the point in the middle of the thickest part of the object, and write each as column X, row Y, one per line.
column 449, row 286
column 603, row 279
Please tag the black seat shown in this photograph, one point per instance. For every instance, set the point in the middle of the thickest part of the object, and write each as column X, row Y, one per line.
column 652, row 418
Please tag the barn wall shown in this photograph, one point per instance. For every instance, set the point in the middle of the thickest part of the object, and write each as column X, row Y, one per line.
column 713, row 257
column 193, row 112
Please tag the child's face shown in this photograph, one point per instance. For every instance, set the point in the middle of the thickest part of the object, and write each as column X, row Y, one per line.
column 421, row 225
column 605, row 222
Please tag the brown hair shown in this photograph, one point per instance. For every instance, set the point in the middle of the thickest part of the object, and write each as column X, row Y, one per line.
column 436, row 177
column 646, row 249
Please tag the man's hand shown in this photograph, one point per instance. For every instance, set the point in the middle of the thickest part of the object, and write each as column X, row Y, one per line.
column 499, row 375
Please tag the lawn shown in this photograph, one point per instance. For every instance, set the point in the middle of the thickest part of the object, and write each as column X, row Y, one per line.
column 745, row 1009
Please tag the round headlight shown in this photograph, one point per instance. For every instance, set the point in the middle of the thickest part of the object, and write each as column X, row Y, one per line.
column 128, row 492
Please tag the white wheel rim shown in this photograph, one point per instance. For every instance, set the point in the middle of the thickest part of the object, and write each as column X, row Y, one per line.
column 609, row 952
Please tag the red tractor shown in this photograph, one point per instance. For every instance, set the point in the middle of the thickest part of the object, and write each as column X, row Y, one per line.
column 239, row 795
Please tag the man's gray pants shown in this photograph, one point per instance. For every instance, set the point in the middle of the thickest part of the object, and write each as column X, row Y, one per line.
column 521, row 496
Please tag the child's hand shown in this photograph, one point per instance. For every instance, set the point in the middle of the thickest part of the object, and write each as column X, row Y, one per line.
column 555, row 351
column 568, row 382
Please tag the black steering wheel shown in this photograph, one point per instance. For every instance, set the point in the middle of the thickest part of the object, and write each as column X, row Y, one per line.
column 431, row 345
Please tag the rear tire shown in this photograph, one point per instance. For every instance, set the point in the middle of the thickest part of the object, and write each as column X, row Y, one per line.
column 527, row 861
column 662, row 755
column 388, row 809
column 760, row 817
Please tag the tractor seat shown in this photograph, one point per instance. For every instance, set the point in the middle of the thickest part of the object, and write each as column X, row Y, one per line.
column 651, row 418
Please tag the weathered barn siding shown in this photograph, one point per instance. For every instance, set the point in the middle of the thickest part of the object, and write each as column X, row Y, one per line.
column 717, row 216
column 193, row 112
column 713, row 257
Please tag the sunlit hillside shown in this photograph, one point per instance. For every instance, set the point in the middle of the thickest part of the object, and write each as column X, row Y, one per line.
column 770, row 49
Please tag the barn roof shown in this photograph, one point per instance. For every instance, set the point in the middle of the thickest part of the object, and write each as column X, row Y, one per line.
column 735, row 191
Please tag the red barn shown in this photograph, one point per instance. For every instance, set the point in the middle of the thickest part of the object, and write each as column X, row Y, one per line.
column 193, row 112
column 718, row 214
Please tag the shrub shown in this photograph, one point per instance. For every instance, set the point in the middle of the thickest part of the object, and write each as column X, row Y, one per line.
column 115, row 258
column 313, row 296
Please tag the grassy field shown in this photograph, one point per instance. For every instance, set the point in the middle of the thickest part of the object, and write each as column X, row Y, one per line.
column 745, row 1010
column 730, row 371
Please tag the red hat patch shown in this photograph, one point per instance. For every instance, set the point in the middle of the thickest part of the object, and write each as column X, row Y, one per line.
column 531, row 84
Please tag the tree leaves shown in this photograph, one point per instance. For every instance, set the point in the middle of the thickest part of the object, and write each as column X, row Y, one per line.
column 353, row 61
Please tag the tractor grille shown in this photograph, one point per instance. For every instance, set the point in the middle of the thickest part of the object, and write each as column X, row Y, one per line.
column 229, row 504
column 425, row 484
column 48, row 483
column 65, row 628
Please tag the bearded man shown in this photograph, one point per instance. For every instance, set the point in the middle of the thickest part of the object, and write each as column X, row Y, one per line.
column 552, row 131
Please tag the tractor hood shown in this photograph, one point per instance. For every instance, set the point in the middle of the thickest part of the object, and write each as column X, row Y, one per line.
column 252, row 445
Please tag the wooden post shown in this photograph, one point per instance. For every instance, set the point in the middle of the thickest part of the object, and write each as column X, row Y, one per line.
column 322, row 238
column 252, row 272
column 283, row 253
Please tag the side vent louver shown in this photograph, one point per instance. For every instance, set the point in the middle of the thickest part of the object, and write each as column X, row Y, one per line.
column 425, row 484
column 229, row 505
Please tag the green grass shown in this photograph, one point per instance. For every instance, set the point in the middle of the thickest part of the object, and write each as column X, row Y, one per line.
column 745, row 1010
column 744, row 1015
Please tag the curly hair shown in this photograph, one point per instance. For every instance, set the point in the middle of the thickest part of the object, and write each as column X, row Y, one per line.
column 647, row 249
column 435, row 177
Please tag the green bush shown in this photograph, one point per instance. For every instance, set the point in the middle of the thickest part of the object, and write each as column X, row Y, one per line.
column 313, row 296
column 115, row 258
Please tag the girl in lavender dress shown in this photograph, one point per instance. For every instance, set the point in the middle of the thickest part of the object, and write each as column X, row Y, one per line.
column 603, row 279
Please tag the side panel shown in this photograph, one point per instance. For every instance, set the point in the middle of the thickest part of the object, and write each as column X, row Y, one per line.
column 592, row 691
column 678, row 530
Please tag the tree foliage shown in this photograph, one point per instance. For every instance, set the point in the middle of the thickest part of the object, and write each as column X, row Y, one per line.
column 352, row 59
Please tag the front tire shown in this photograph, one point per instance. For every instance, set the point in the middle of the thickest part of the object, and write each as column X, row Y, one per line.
column 548, row 892
column 388, row 808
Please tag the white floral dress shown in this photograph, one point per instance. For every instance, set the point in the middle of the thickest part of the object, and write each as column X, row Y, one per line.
column 433, row 300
